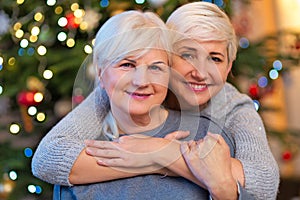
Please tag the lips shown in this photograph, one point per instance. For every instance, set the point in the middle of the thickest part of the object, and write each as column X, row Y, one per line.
column 137, row 95
column 197, row 87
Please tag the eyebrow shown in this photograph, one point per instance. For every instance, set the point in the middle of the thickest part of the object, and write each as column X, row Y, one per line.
column 159, row 62
column 133, row 61
column 154, row 63
column 188, row 48
column 217, row 53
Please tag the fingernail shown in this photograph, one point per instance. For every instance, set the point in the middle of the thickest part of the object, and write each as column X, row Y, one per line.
column 88, row 151
column 100, row 162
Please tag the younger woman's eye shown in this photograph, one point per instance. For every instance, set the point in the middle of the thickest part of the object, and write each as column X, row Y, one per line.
column 215, row 59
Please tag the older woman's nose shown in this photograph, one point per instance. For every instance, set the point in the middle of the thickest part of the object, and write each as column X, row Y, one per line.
column 140, row 77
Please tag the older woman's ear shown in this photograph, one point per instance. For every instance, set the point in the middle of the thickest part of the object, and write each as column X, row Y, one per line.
column 100, row 78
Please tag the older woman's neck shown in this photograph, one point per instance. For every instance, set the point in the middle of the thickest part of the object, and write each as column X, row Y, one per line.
column 131, row 124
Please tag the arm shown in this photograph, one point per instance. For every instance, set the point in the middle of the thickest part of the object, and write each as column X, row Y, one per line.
column 96, row 173
column 252, row 149
column 58, row 150
column 142, row 152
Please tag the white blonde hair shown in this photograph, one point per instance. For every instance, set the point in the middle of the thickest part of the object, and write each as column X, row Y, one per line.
column 205, row 22
column 131, row 33
column 126, row 33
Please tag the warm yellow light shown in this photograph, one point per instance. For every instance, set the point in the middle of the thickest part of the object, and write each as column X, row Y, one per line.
column 1, row 60
column 20, row 2
column 58, row 10
column 38, row 16
column 33, row 38
column 79, row 13
column 17, row 26
column 74, row 6
column 41, row 117
column 38, row 97
column 83, row 26
column 11, row 61
column 19, row 33
column 70, row 42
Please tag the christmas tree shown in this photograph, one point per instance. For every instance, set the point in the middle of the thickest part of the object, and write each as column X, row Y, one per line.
column 42, row 46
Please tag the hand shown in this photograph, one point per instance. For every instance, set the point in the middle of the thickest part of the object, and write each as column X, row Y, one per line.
column 131, row 152
column 210, row 162
column 177, row 135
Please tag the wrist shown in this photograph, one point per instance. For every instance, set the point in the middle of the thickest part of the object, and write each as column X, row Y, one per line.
column 168, row 152
column 228, row 191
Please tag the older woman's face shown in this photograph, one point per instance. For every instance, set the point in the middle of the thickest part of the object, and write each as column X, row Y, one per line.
column 199, row 71
column 135, row 85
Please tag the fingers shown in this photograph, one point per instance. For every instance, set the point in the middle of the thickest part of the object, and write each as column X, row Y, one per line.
column 103, row 153
column 100, row 144
column 177, row 135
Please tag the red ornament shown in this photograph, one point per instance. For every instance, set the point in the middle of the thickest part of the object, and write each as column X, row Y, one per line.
column 254, row 91
column 26, row 98
column 72, row 24
column 286, row 155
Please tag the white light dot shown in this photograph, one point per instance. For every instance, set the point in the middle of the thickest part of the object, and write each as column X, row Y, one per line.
column 62, row 22
column 48, row 74
column 1, row 60
column 51, row 2
column 62, row 36
column 31, row 188
column 13, row 175
column 35, row 31
column 41, row 50
column 32, row 110
column 24, row 43
column 88, row 49
column 14, row 128
column 273, row 74
column 1, row 89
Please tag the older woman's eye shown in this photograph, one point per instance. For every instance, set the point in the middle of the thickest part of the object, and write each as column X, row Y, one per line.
column 187, row 56
column 127, row 65
column 155, row 68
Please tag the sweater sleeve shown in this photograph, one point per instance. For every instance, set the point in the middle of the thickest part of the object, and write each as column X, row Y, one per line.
column 58, row 150
column 252, row 149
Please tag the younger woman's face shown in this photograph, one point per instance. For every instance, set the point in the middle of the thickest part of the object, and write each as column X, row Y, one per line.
column 199, row 71
column 137, row 84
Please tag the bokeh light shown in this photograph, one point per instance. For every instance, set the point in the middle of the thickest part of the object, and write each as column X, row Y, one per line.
column 262, row 82
column 41, row 117
column 32, row 110
column 14, row 128
column 13, row 175
column 48, row 74
column 273, row 74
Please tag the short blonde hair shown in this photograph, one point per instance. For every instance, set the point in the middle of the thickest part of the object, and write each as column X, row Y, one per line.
column 205, row 22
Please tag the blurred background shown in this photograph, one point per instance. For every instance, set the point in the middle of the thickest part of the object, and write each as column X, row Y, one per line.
column 44, row 43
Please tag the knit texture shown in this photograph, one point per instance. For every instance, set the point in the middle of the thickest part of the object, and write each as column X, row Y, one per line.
column 235, row 113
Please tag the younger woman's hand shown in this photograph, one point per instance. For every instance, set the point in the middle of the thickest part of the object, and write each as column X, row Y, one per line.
column 134, row 151
column 210, row 162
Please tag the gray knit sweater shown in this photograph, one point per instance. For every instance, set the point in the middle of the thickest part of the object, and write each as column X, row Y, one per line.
column 58, row 150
